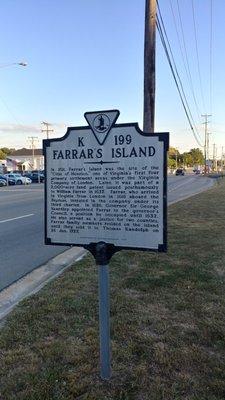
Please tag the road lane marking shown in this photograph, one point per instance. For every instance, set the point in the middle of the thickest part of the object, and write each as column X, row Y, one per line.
column 13, row 219
column 182, row 184
column 21, row 190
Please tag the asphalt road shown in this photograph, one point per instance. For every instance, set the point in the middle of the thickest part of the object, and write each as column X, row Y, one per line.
column 22, row 246
column 22, row 232
column 181, row 187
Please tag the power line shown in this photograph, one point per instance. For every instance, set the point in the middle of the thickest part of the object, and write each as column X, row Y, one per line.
column 210, row 54
column 175, row 67
column 178, row 82
column 197, row 54
column 184, row 54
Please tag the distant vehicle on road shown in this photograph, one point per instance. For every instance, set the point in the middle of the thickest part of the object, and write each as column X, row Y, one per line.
column 19, row 179
column 180, row 171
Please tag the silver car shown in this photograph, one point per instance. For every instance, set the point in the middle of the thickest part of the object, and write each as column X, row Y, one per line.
column 19, row 179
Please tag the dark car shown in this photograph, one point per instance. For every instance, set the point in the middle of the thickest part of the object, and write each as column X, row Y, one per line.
column 3, row 182
column 36, row 177
column 180, row 171
column 11, row 181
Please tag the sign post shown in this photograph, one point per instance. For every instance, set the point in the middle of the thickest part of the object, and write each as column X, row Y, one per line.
column 106, row 190
column 104, row 310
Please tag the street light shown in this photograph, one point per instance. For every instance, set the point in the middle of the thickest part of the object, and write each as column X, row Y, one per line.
column 21, row 63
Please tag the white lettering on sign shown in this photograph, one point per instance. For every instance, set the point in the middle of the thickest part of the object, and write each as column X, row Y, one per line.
column 111, row 192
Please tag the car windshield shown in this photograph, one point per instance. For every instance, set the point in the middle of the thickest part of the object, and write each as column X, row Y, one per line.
column 17, row 175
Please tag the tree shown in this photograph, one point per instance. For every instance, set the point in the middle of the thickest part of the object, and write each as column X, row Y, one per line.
column 171, row 163
column 6, row 150
column 2, row 155
column 173, row 152
column 197, row 156
column 187, row 159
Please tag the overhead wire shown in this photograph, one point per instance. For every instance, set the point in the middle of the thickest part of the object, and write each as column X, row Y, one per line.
column 211, row 56
column 170, row 58
column 187, row 62
column 197, row 55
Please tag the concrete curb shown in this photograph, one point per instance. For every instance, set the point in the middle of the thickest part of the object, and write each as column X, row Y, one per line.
column 35, row 280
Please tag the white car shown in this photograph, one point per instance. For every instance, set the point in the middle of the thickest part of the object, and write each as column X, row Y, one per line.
column 19, row 179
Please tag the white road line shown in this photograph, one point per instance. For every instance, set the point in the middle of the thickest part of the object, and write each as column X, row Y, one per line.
column 182, row 184
column 13, row 219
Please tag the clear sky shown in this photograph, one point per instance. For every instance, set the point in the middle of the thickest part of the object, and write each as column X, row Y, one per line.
column 87, row 55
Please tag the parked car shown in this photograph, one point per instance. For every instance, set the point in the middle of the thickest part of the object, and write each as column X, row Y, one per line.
column 3, row 182
column 180, row 171
column 11, row 181
column 19, row 179
column 35, row 177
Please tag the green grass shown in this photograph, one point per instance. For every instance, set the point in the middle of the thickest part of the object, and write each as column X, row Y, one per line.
column 167, row 321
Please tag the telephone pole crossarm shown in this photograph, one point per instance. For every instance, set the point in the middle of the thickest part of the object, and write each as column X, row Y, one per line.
column 47, row 130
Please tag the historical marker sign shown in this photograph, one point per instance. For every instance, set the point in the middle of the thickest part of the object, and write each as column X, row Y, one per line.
column 106, row 182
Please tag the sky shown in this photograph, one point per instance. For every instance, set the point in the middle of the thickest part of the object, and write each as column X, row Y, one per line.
column 87, row 55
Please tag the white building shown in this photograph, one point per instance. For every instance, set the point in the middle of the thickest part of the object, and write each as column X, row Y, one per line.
column 25, row 160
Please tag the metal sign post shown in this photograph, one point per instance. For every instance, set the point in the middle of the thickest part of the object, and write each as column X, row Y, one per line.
column 104, row 310
column 106, row 190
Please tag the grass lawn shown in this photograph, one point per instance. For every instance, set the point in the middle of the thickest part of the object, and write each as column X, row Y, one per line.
column 167, row 321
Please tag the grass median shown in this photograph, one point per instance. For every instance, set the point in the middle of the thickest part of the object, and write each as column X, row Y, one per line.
column 167, row 321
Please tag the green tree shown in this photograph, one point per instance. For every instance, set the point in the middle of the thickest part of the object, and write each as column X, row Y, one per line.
column 173, row 152
column 171, row 163
column 187, row 159
column 173, row 155
column 197, row 156
column 6, row 150
column 2, row 155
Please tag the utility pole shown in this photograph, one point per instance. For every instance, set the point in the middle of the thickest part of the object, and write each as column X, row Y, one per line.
column 222, row 160
column 206, row 146
column 46, row 130
column 149, row 66
column 216, row 166
column 214, row 158
column 32, row 141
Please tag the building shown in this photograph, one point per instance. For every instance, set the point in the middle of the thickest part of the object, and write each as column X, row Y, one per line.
column 25, row 160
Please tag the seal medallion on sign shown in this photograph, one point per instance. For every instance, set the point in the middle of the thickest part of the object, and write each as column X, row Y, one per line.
column 101, row 123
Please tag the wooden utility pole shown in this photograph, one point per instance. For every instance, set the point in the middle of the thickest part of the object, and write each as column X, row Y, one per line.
column 149, row 66
column 47, row 130
column 32, row 140
column 206, row 146
column 214, row 157
column 221, row 160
